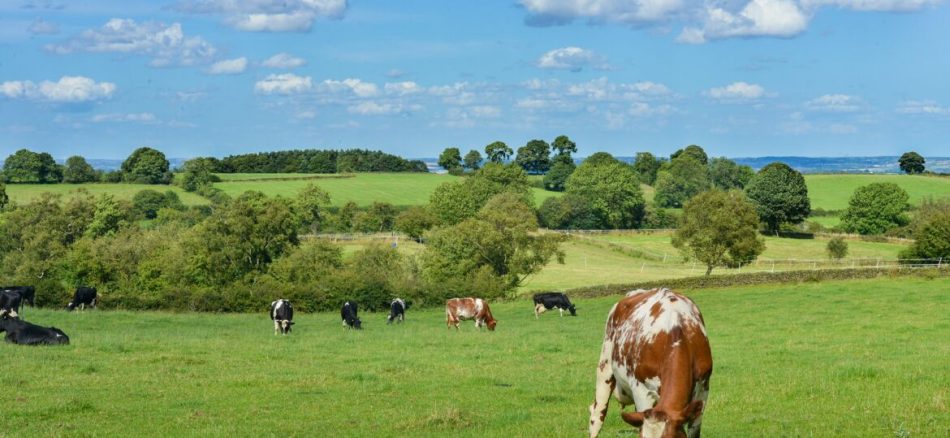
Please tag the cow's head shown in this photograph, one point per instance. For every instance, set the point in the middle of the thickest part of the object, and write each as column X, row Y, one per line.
column 492, row 323
column 655, row 423
column 71, row 306
column 285, row 325
column 572, row 309
column 357, row 324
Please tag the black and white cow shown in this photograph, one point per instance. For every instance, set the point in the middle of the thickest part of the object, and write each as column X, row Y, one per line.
column 552, row 300
column 397, row 311
column 282, row 313
column 10, row 303
column 27, row 293
column 84, row 296
column 25, row 333
column 348, row 313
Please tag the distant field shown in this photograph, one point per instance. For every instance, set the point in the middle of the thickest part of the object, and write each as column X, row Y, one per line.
column 362, row 188
column 830, row 359
column 22, row 193
column 832, row 192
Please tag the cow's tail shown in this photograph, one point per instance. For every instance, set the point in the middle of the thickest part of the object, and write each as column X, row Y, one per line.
column 604, row 387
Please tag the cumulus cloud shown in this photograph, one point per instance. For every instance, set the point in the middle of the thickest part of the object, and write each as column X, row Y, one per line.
column 737, row 91
column 283, row 60
column 371, row 108
column 228, row 67
column 834, row 103
column 922, row 107
column 42, row 27
column 356, row 86
column 603, row 89
column 776, row 18
column 283, row 84
column 267, row 15
column 166, row 45
column 69, row 89
column 124, row 117
column 550, row 12
column 571, row 58
column 402, row 88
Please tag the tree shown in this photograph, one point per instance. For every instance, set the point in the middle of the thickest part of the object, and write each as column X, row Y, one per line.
column 875, row 209
column 77, row 170
column 456, row 201
column 108, row 217
column 691, row 151
column 780, row 195
column 727, row 175
column 555, row 179
column 563, row 147
column 646, row 166
column 533, row 157
column 912, row 162
column 450, row 159
column 196, row 174
column 568, row 212
column 146, row 203
column 309, row 205
column 685, row 178
column 837, row 248
column 931, row 233
column 473, row 160
column 25, row 166
column 497, row 152
column 415, row 221
column 4, row 199
column 612, row 188
column 146, row 166
column 719, row 228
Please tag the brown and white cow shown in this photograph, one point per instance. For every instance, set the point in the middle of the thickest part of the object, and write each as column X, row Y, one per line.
column 657, row 357
column 457, row 309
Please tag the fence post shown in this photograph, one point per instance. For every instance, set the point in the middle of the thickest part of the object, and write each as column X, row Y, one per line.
column 773, row 266
column 642, row 266
column 939, row 262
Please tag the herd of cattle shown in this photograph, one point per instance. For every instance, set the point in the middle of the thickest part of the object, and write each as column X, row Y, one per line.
column 655, row 354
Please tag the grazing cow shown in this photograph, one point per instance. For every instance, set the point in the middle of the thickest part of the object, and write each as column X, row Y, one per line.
column 28, row 293
column 10, row 303
column 25, row 333
column 655, row 356
column 397, row 311
column 348, row 313
column 552, row 300
column 282, row 313
column 83, row 296
column 457, row 309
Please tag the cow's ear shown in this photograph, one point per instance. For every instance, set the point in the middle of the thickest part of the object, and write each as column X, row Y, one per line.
column 634, row 418
column 693, row 409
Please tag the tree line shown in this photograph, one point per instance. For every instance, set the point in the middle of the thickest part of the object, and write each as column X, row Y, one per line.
column 316, row 161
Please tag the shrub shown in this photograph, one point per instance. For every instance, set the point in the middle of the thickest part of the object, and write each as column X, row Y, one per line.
column 837, row 248
column 876, row 208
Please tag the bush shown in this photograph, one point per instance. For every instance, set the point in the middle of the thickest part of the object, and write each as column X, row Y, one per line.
column 568, row 212
column 876, row 208
column 837, row 248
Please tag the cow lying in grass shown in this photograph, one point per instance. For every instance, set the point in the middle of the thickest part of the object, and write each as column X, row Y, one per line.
column 25, row 333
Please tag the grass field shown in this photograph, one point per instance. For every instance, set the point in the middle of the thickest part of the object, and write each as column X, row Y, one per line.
column 859, row 358
column 832, row 192
column 22, row 193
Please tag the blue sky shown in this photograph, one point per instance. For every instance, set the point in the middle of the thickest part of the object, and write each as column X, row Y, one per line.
column 216, row 77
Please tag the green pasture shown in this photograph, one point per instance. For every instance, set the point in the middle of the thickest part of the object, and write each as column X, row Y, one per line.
column 855, row 358
column 832, row 192
column 22, row 193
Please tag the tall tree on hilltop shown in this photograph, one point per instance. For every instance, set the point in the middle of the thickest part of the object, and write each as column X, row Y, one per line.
column 533, row 157
column 780, row 195
column 498, row 152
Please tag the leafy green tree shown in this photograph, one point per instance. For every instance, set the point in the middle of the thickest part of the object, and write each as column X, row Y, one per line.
column 568, row 212
column 196, row 173
column 875, row 209
column 77, row 170
column 555, row 179
column 109, row 216
column 25, row 166
column 719, row 228
column 146, row 166
column 500, row 242
column 473, row 160
column 563, row 147
column 456, row 201
column 612, row 188
column 912, row 162
column 646, row 166
column 600, row 158
column 931, row 233
column 685, row 178
column 450, row 159
column 533, row 157
column 691, row 151
column 4, row 199
column 147, row 203
column 837, row 248
column 727, row 174
column 498, row 152
column 780, row 195
column 415, row 221
column 310, row 204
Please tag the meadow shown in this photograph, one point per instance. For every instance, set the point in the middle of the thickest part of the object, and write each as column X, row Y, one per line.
column 855, row 358
column 22, row 193
column 832, row 192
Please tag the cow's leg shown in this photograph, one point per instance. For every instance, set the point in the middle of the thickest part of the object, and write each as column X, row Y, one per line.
column 605, row 386
column 276, row 327
column 537, row 312
column 561, row 310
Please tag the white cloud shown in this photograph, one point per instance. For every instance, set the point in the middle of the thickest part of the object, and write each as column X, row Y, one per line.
column 402, row 88
column 124, row 117
column 922, row 107
column 776, row 18
column 283, row 84
column 307, row 114
column 873, row 5
column 459, row 93
column 546, row 12
column 485, row 111
column 371, row 108
column 166, row 45
column 835, row 103
column 603, row 89
column 571, row 58
column 737, row 91
column 356, row 86
column 69, row 89
column 283, row 60
column 643, row 109
column 267, row 15
column 228, row 67
column 42, row 27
